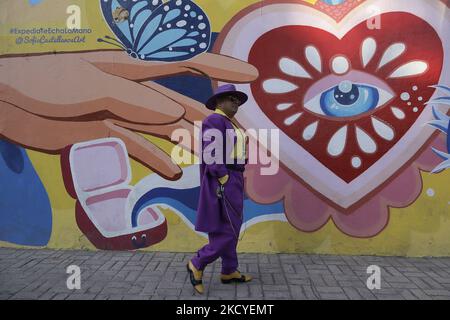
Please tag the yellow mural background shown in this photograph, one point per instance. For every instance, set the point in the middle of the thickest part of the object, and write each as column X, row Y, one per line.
column 422, row 229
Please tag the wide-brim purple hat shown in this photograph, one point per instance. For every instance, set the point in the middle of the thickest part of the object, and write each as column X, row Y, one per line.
column 225, row 90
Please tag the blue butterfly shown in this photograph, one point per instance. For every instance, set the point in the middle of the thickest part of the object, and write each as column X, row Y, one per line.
column 153, row 30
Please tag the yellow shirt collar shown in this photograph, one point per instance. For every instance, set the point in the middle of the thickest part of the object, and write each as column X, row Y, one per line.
column 239, row 150
column 221, row 112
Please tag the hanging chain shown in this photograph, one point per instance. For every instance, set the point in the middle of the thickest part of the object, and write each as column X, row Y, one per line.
column 225, row 199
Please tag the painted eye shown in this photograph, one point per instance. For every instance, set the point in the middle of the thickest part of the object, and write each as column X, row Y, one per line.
column 348, row 99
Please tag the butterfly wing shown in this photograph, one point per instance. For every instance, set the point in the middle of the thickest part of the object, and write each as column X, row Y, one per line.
column 176, row 30
column 138, row 12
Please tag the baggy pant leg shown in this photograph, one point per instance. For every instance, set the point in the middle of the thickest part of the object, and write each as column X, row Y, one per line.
column 229, row 257
column 224, row 242
column 221, row 244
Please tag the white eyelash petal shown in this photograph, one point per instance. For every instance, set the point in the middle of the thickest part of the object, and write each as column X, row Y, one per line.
column 310, row 131
column 284, row 106
column 412, row 68
column 337, row 142
column 382, row 129
column 313, row 57
column 399, row 114
column 278, row 86
column 293, row 68
column 392, row 53
column 365, row 141
column 368, row 50
column 289, row 121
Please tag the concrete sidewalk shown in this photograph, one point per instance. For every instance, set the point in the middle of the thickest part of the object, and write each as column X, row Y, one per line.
column 41, row 274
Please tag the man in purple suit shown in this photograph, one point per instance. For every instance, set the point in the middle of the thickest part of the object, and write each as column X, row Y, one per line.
column 220, row 207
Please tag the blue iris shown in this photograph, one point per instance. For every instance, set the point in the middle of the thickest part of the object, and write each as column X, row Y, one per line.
column 333, row 2
column 349, row 99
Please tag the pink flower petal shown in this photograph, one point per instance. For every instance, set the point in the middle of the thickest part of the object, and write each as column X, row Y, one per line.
column 308, row 211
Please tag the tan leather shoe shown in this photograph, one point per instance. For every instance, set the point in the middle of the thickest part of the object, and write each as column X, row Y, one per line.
column 235, row 277
column 196, row 277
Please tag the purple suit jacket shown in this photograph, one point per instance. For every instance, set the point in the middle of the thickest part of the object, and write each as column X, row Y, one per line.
column 209, row 211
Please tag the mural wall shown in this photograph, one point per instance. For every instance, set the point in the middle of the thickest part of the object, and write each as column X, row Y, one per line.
column 91, row 92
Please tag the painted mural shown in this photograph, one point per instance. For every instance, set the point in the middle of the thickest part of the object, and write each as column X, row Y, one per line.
column 91, row 93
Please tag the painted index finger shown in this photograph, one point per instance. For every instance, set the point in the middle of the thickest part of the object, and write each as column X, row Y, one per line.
column 214, row 66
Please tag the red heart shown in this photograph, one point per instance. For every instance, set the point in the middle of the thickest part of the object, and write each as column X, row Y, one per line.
column 422, row 43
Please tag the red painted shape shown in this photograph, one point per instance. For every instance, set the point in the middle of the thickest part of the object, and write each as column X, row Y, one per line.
column 130, row 240
column 422, row 43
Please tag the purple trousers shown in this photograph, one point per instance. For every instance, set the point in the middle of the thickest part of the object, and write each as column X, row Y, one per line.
column 221, row 245
column 223, row 242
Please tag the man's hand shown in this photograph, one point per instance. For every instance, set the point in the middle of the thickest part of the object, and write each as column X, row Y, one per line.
column 50, row 101
column 223, row 179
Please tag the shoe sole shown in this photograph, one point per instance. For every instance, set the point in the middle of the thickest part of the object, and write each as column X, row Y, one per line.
column 233, row 280
column 191, row 272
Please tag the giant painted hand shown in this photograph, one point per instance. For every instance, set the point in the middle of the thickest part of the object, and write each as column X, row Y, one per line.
column 50, row 101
